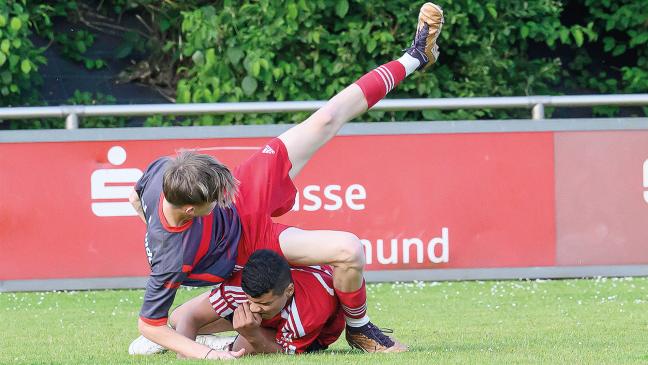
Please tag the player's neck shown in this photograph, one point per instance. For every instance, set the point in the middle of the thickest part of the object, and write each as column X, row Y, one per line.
column 175, row 217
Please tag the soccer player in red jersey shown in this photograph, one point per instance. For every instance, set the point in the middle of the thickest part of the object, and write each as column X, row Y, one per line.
column 203, row 221
column 273, row 307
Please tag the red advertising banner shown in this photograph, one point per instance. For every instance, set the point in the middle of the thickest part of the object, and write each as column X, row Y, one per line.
column 602, row 197
column 436, row 201
column 416, row 201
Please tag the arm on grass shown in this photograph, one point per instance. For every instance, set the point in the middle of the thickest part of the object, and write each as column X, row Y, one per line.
column 172, row 340
column 264, row 344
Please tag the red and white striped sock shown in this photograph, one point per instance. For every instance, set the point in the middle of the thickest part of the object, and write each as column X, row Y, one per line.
column 377, row 83
column 354, row 306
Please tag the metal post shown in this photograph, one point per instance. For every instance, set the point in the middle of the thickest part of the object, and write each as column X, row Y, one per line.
column 537, row 113
column 72, row 121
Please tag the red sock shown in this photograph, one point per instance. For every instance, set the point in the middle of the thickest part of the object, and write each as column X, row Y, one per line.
column 378, row 82
column 354, row 306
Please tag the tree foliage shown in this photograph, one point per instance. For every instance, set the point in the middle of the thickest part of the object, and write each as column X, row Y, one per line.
column 19, row 60
column 206, row 51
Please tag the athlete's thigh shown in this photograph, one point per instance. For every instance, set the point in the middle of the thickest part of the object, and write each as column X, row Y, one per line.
column 317, row 247
column 304, row 139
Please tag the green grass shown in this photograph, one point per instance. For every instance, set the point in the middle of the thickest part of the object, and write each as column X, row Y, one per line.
column 557, row 321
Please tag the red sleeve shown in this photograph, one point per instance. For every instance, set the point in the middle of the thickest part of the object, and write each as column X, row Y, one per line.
column 227, row 297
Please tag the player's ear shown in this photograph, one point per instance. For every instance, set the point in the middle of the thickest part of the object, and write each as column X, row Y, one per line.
column 189, row 210
column 290, row 290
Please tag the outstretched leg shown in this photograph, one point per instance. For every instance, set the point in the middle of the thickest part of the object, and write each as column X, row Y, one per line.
column 344, row 250
column 303, row 140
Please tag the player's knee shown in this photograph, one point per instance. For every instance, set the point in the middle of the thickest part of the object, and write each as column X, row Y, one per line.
column 181, row 315
column 351, row 252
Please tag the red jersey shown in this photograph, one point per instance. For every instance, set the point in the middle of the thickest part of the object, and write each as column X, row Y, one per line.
column 311, row 319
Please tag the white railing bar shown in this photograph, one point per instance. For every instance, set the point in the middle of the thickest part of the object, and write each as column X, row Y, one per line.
column 529, row 102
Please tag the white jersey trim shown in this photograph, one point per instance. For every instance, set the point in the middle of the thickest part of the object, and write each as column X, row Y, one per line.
column 295, row 315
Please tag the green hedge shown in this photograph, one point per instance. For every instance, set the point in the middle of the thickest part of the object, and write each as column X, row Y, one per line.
column 19, row 60
column 309, row 50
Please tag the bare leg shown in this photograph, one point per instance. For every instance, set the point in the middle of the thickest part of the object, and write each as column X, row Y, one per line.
column 342, row 250
column 304, row 139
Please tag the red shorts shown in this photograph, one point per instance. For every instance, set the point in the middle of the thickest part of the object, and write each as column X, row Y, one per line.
column 265, row 191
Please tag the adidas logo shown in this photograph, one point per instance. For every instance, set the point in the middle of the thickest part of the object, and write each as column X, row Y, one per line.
column 268, row 150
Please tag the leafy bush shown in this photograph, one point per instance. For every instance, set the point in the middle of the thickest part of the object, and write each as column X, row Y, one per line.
column 204, row 51
column 303, row 50
column 19, row 60
column 617, row 60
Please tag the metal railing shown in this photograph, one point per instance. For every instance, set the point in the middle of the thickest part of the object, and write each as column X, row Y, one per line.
column 72, row 113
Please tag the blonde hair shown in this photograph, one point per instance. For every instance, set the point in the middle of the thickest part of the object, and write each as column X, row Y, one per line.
column 196, row 179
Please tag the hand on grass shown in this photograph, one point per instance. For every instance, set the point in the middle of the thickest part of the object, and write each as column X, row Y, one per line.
column 225, row 355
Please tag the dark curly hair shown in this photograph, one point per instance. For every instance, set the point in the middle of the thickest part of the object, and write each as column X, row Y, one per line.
column 265, row 271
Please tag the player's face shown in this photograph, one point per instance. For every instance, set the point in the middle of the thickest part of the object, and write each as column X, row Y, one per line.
column 270, row 304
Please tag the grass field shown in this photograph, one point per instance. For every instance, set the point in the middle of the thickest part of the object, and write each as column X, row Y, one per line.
column 557, row 321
